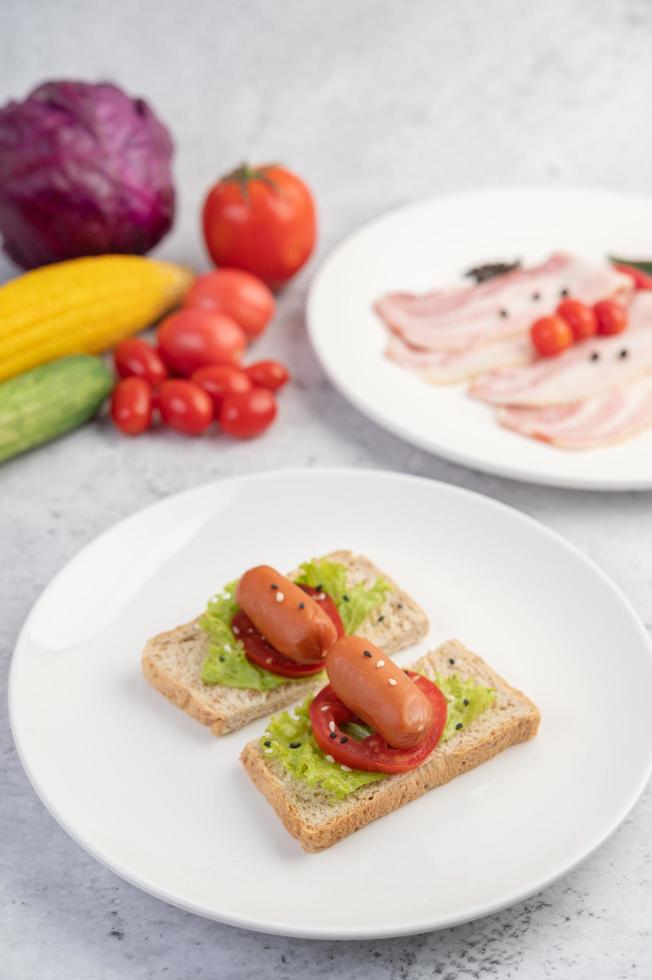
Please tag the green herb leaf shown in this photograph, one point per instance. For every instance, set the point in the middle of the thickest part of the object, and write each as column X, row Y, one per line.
column 645, row 265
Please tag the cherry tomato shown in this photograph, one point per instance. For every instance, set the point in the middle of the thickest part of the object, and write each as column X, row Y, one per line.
column 131, row 405
column 264, row 655
column 243, row 297
column 551, row 335
column 268, row 374
column 611, row 316
column 373, row 754
column 135, row 357
column 579, row 317
column 219, row 380
column 185, row 406
column 261, row 219
column 642, row 279
column 249, row 413
column 192, row 338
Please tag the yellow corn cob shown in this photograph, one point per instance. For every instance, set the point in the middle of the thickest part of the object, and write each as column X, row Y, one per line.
column 83, row 306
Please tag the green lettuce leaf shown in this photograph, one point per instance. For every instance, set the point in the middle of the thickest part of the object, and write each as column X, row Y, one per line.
column 354, row 602
column 306, row 761
column 466, row 701
column 226, row 662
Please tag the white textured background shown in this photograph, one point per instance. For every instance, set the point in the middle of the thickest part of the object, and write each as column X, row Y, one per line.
column 377, row 103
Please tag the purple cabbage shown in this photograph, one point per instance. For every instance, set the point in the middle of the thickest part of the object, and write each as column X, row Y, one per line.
column 84, row 170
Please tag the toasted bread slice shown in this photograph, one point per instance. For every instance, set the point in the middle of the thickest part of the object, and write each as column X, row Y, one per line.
column 172, row 662
column 317, row 823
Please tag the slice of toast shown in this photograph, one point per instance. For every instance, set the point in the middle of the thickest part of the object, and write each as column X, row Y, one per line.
column 317, row 823
column 172, row 662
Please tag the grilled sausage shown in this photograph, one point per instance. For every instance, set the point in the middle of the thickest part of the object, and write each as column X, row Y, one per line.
column 379, row 692
column 291, row 620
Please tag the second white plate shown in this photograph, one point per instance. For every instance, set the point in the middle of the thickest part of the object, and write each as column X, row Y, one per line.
column 153, row 795
column 431, row 244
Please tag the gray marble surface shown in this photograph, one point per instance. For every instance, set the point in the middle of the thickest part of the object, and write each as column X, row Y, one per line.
column 377, row 103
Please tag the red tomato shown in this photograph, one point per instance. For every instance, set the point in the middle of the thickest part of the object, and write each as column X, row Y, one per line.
column 192, row 338
column 261, row 219
column 249, row 413
column 373, row 754
column 135, row 357
column 220, row 380
column 131, row 405
column 579, row 317
column 243, row 297
column 612, row 317
column 264, row 655
column 185, row 406
column 551, row 335
column 642, row 280
column 268, row 374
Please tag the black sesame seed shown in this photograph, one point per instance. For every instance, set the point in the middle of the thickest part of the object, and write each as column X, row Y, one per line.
column 536, row 297
column 302, row 605
column 451, row 660
column 222, row 659
column 268, row 743
column 503, row 313
column 318, row 587
column 458, row 726
column 399, row 605
column 406, row 672
column 272, row 586
column 380, row 619
column 346, row 598
column 333, row 735
column 466, row 702
column 367, row 653
column 595, row 356
column 343, row 740
column 295, row 745
column 564, row 293
column 623, row 353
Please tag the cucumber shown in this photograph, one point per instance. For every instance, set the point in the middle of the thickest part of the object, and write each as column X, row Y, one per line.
column 50, row 400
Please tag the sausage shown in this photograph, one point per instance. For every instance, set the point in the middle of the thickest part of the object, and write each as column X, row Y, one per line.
column 379, row 692
column 288, row 618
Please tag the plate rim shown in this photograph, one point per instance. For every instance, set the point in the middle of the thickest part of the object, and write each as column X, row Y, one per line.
column 289, row 929
column 433, row 446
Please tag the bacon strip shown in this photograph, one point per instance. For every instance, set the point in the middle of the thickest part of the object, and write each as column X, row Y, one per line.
column 580, row 372
column 450, row 367
column 463, row 317
column 612, row 416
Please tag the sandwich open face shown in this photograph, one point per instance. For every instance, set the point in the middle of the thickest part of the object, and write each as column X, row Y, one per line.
column 204, row 668
column 301, row 763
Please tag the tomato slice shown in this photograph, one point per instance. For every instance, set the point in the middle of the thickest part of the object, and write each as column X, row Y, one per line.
column 264, row 655
column 372, row 754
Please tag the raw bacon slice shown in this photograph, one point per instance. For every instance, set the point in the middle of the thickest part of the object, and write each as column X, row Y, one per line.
column 449, row 367
column 612, row 416
column 582, row 371
column 459, row 318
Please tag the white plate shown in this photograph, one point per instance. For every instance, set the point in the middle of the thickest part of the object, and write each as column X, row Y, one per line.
column 155, row 797
column 431, row 244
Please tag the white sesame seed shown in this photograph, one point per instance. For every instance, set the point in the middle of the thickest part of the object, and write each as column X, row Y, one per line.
column 325, row 707
column 392, row 681
column 323, row 656
column 380, row 663
column 331, row 726
column 269, row 660
column 346, row 768
column 268, row 751
column 329, row 758
column 234, row 629
column 280, row 597
column 321, row 596
column 227, row 647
